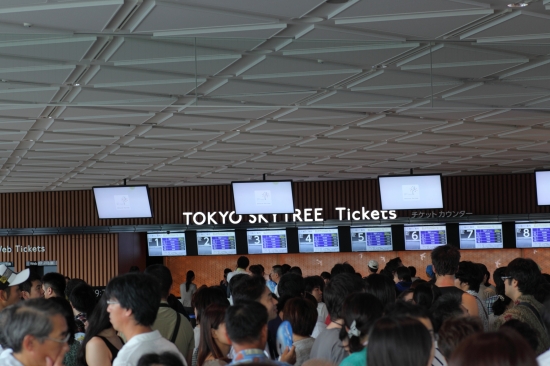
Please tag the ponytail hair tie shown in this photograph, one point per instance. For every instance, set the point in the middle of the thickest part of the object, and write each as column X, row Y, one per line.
column 353, row 331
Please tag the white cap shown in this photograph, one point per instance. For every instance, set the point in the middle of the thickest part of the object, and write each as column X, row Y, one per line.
column 10, row 278
column 373, row 264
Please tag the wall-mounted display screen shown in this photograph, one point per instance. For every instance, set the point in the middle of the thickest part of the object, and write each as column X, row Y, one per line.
column 480, row 236
column 318, row 240
column 122, row 202
column 411, row 192
column 266, row 241
column 216, row 242
column 265, row 197
column 425, row 237
column 542, row 179
column 162, row 244
column 371, row 239
column 533, row 235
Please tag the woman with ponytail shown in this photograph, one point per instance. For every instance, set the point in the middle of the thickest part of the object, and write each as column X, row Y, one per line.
column 187, row 290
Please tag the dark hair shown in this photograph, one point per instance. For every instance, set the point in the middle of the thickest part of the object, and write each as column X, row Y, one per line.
column 412, row 270
column 404, row 308
column 206, row 296
column 445, row 260
column 296, row 270
column 138, row 292
column 399, row 341
column 290, row 285
column 249, row 288
column 501, row 304
column 133, row 269
column 226, row 271
column 314, row 281
column 336, row 291
column 382, row 287
column 245, row 321
column 68, row 315
column 526, row 272
column 503, row 348
column 405, row 293
column 403, row 274
column 27, row 285
column 342, row 268
column 469, row 273
column 530, row 335
column 277, row 269
column 393, row 264
column 160, row 359
column 301, row 314
column 455, row 330
column 425, row 294
column 256, row 269
column 71, row 285
column 285, row 267
column 325, row 275
column 445, row 307
column 243, row 262
column 55, row 281
column 163, row 276
column 212, row 317
column 188, row 279
column 484, row 272
column 83, row 298
column 363, row 309
column 98, row 321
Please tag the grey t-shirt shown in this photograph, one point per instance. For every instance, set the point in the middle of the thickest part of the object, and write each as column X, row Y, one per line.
column 327, row 346
column 303, row 350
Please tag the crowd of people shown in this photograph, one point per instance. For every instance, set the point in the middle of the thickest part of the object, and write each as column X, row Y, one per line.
column 388, row 317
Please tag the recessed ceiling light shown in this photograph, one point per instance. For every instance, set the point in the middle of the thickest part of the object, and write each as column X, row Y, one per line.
column 76, row 84
column 518, row 5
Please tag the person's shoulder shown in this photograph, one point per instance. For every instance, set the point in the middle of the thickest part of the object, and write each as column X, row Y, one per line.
column 355, row 359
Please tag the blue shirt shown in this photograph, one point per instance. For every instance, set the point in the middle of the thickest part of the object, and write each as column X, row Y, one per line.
column 254, row 356
column 356, row 359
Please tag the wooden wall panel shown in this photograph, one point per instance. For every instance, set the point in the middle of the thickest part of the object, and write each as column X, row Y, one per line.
column 92, row 257
column 209, row 270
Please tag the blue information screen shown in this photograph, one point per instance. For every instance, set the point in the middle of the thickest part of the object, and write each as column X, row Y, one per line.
column 425, row 237
column 216, row 243
column 162, row 244
column 267, row 241
column 480, row 236
column 318, row 240
column 367, row 239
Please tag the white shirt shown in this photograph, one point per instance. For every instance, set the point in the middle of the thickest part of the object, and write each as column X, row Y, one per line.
column 7, row 359
column 544, row 359
column 142, row 344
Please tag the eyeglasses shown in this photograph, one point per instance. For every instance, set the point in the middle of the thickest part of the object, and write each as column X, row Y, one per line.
column 64, row 340
column 505, row 278
column 112, row 302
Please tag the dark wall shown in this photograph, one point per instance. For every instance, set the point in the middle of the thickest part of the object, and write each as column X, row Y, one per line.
column 131, row 251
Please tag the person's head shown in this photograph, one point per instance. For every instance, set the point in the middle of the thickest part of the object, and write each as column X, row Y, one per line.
column 499, row 282
column 9, row 285
column 425, row 294
column 297, row 270
column 455, row 330
column 285, row 267
column 340, row 268
column 69, row 316
column 83, row 298
column 401, row 341
column 382, row 287
column 36, row 330
column 163, row 276
column 133, row 269
column 404, row 308
column 243, row 262
column 402, row 274
column 133, row 298
column 485, row 272
column 503, row 348
column 213, row 334
column 393, row 264
column 206, row 296
column 32, row 287
column 522, row 278
column 98, row 321
column 276, row 273
column 406, row 295
column 445, row 260
column 291, row 285
column 360, row 311
column 468, row 276
column 446, row 307
column 226, row 272
column 301, row 314
column 372, row 266
column 253, row 288
column 325, row 276
column 412, row 269
column 160, row 359
column 189, row 277
column 71, row 284
column 257, row 270
column 53, row 285
column 246, row 325
column 315, row 286
column 336, row 291
column 529, row 334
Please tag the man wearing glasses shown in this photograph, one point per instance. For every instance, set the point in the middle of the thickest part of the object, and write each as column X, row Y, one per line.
column 520, row 283
column 34, row 333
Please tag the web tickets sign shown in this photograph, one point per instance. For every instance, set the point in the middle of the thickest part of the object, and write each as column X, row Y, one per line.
column 305, row 215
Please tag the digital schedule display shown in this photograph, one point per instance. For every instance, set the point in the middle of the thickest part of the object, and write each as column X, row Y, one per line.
column 531, row 235
column 411, row 192
column 318, row 240
column 480, row 236
column 216, row 242
column 263, row 197
column 371, row 239
column 122, row 202
column 266, row 241
column 162, row 244
column 425, row 237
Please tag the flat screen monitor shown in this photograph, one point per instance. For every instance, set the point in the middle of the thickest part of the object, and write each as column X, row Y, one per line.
column 216, row 242
column 266, row 241
column 480, row 236
column 162, row 244
column 265, row 197
column 533, row 235
column 371, row 239
column 542, row 179
column 411, row 192
column 425, row 237
column 122, row 202
column 318, row 240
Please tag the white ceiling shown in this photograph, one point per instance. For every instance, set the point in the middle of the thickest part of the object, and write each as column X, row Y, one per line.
column 187, row 92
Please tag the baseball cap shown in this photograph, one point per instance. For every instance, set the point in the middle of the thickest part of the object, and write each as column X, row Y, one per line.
column 10, row 278
column 373, row 264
